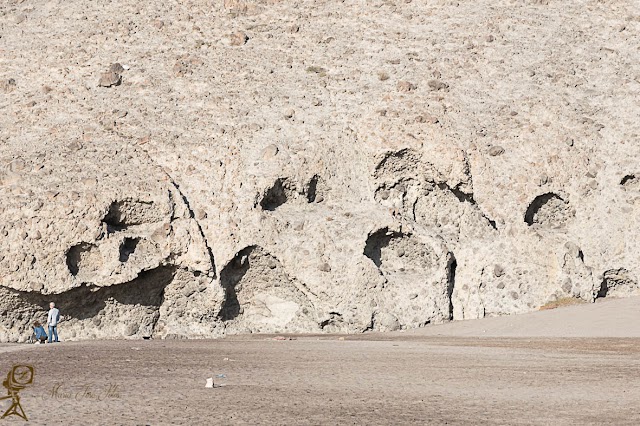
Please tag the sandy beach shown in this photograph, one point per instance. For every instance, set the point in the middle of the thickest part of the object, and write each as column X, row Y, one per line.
column 535, row 369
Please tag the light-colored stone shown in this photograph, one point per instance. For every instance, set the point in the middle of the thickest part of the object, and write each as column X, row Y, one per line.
column 309, row 182
column 109, row 79
column 238, row 38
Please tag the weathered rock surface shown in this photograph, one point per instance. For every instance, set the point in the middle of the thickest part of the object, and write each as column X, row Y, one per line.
column 268, row 166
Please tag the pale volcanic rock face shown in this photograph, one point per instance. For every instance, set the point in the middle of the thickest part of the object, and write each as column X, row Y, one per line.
column 195, row 169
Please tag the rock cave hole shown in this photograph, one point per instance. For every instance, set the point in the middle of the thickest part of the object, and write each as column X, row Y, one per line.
column 312, row 189
column 127, row 248
column 617, row 281
column 376, row 242
column 537, row 204
column 275, row 196
column 230, row 276
column 604, row 288
column 122, row 214
column 630, row 181
column 75, row 255
column 453, row 264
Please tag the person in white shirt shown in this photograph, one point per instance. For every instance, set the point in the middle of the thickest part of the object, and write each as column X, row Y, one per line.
column 52, row 321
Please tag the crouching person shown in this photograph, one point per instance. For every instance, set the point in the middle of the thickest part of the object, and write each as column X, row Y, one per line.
column 41, row 335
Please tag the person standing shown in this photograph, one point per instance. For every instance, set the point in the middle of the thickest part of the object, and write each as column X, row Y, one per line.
column 52, row 321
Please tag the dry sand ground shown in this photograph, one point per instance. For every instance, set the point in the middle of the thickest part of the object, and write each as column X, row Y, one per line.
column 397, row 378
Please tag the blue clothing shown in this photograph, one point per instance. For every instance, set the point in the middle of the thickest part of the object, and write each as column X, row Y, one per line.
column 53, row 332
column 40, row 332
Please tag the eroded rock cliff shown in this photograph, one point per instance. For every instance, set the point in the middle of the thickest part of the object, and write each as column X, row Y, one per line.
column 199, row 168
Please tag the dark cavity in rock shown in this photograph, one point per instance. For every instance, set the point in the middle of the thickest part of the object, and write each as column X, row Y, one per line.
column 75, row 255
column 123, row 214
column 617, row 283
column 376, row 242
column 276, row 196
column 548, row 209
column 631, row 182
column 230, row 276
column 127, row 248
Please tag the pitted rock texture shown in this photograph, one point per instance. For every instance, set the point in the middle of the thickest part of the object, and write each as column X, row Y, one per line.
column 316, row 166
